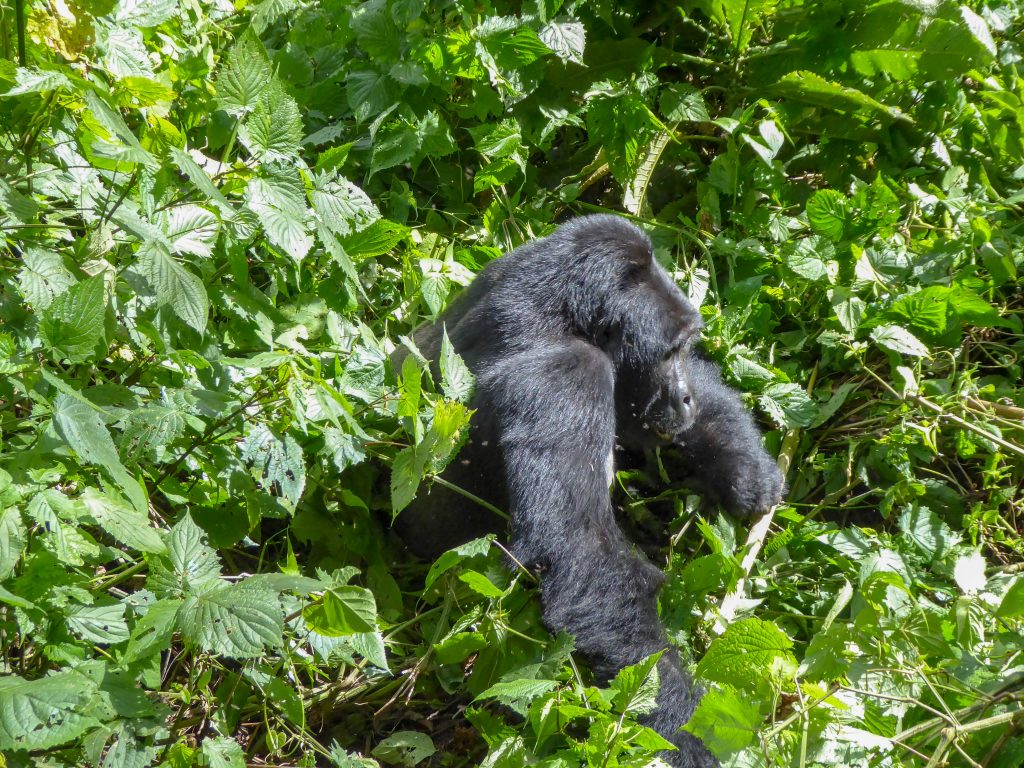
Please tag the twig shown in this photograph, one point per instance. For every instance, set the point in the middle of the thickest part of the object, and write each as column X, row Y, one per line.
column 758, row 531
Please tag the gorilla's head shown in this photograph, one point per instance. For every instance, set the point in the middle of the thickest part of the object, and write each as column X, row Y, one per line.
column 646, row 326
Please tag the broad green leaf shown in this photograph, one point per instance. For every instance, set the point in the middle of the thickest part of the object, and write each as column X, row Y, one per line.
column 405, row 748
column 243, row 76
column 273, row 130
column 34, row 80
column 453, row 557
column 406, row 474
column 788, row 404
column 342, row 611
column 279, row 201
column 124, row 52
column 78, row 423
column 480, row 584
column 236, row 620
column 810, row 88
column 456, row 378
column 278, row 462
column 459, row 646
column 1012, row 604
column 130, row 527
column 43, row 713
column 748, row 652
column 682, row 102
column 43, row 277
column 72, row 326
column 518, row 694
column 145, row 13
column 190, row 229
column 369, row 93
column 175, row 286
column 223, row 752
column 930, row 535
column 827, row 213
column 726, row 721
column 13, row 538
column 152, row 633
column 899, row 340
column 377, row 239
column 566, row 39
column 190, row 566
column 98, row 623
column 342, row 206
column 636, row 686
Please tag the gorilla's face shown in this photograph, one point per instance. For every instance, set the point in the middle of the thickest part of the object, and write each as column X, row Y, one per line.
column 650, row 347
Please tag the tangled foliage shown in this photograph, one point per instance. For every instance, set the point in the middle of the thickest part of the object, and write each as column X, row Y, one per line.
column 218, row 222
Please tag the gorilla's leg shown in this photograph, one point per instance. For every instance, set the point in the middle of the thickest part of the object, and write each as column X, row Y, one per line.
column 722, row 451
column 555, row 405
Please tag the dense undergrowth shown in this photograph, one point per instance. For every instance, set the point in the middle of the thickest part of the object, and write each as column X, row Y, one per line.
column 218, row 220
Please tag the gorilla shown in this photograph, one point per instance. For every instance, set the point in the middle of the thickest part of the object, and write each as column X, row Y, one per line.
column 580, row 341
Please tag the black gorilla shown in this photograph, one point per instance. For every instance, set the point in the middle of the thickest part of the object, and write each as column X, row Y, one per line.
column 577, row 341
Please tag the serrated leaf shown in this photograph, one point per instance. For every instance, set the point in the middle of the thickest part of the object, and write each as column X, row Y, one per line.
column 153, row 632
column 13, row 538
column 278, row 462
column 405, row 748
column 35, row 80
column 124, row 52
column 342, row 206
column 456, row 378
column 43, row 713
column 190, row 229
column 682, row 102
column 453, row 557
column 273, row 130
column 43, row 277
column 899, row 340
column 749, row 651
column 80, row 426
column 726, row 722
column 243, row 76
column 223, row 752
column 98, row 623
column 342, row 611
column 73, row 325
column 930, row 535
column 190, row 566
column 369, row 93
column 145, row 13
column 566, row 39
column 788, row 404
column 636, row 686
column 518, row 694
column 130, row 527
column 279, row 202
column 175, row 286
column 237, row 620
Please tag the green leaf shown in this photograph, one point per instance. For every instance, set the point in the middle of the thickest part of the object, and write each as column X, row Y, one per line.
column 237, row 620
column 153, row 632
column 13, row 538
column 190, row 566
column 458, row 647
column 369, row 93
column 407, row 748
column 377, row 239
column 43, row 277
column 78, row 423
column 98, row 623
column 277, row 462
column 342, row 611
column 243, row 76
column 480, row 584
column 725, row 721
column 827, row 213
column 190, row 229
column 406, row 474
column 279, row 201
column 223, row 752
column 517, row 694
column 566, row 39
column 681, row 102
column 73, row 325
column 175, row 286
column 932, row 537
column 810, row 88
column 273, row 131
column 453, row 557
column 342, row 206
column 748, row 652
column 636, row 686
column 789, row 405
column 899, row 340
column 127, row 525
column 1012, row 604
column 44, row 713
column 456, row 378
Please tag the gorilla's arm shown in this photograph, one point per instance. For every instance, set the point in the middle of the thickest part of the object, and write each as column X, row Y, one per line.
column 722, row 451
column 555, row 406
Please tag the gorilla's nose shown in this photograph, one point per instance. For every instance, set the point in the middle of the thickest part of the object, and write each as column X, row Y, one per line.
column 682, row 408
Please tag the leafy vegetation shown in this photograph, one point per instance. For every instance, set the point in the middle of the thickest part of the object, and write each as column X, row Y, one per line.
column 219, row 219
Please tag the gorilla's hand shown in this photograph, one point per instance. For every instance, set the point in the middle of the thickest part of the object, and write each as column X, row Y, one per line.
column 754, row 483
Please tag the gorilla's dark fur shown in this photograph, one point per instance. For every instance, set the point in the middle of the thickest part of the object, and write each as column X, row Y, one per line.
column 578, row 341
